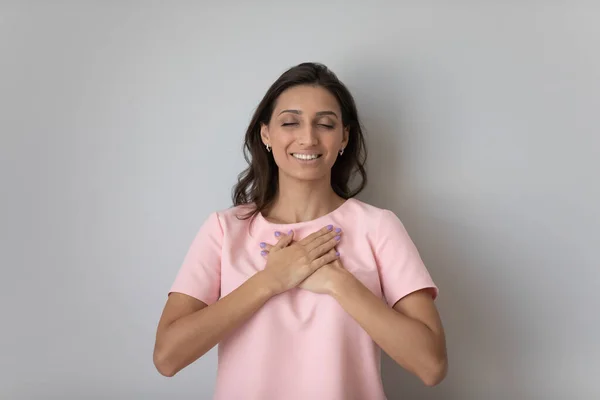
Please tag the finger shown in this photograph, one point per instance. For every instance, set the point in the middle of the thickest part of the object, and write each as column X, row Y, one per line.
column 323, row 231
column 266, row 246
column 324, row 237
column 284, row 240
column 335, row 234
column 279, row 234
column 323, row 248
column 327, row 258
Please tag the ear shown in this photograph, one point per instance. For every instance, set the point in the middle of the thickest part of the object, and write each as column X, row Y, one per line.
column 346, row 137
column 264, row 134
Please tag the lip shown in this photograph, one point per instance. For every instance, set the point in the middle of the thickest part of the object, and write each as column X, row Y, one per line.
column 314, row 160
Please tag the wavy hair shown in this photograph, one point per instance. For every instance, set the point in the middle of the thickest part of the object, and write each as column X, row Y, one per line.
column 258, row 184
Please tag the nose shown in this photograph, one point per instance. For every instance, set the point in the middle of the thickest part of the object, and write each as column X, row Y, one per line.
column 307, row 136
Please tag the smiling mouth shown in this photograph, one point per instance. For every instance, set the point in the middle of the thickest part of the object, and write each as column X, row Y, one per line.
column 306, row 157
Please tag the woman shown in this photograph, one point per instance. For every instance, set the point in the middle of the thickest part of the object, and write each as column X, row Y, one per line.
column 300, row 283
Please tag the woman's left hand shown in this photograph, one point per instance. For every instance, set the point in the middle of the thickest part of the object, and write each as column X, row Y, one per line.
column 322, row 281
column 325, row 279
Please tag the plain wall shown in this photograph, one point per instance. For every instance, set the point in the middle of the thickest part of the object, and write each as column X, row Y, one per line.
column 121, row 130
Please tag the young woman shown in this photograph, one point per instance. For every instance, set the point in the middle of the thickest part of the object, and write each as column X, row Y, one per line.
column 300, row 283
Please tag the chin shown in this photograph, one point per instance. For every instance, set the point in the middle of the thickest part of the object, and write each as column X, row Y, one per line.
column 307, row 176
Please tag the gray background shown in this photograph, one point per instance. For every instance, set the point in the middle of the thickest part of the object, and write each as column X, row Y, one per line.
column 121, row 128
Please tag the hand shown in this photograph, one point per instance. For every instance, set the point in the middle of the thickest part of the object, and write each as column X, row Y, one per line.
column 323, row 281
column 289, row 263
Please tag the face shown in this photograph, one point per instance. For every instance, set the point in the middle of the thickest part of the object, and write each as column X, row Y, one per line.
column 306, row 132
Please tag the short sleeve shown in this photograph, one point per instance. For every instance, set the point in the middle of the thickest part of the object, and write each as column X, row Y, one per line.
column 400, row 266
column 200, row 274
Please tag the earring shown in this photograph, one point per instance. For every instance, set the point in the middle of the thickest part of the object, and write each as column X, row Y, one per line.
column 342, row 151
column 268, row 147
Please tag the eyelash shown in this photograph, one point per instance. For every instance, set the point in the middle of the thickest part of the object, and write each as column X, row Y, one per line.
column 295, row 123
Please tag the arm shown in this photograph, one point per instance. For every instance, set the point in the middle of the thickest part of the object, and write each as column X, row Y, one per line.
column 188, row 328
column 411, row 333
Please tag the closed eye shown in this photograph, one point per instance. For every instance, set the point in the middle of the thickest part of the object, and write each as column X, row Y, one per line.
column 296, row 123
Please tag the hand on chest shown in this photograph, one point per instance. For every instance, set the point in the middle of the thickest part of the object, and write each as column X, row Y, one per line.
column 248, row 255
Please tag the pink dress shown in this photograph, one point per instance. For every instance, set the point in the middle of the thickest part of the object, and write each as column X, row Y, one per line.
column 301, row 345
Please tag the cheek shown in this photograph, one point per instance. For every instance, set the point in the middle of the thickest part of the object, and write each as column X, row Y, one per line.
column 281, row 143
column 333, row 142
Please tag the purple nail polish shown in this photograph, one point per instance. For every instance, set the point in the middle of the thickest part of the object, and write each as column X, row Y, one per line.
column 277, row 233
column 290, row 232
column 329, row 227
column 263, row 245
column 338, row 237
column 263, row 253
column 338, row 230
column 337, row 253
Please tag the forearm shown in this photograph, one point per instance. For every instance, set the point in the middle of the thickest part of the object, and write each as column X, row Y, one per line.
column 409, row 342
column 190, row 337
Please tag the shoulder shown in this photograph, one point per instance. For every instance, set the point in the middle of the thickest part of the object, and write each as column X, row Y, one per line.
column 232, row 218
column 376, row 222
column 368, row 214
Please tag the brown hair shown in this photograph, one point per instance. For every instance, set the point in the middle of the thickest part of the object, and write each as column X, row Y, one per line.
column 258, row 183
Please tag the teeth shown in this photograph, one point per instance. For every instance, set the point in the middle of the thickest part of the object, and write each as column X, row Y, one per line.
column 306, row 156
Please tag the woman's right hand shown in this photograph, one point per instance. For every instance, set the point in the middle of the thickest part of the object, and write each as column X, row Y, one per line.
column 288, row 264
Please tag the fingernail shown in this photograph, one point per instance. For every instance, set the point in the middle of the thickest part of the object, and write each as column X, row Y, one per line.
column 263, row 253
column 337, row 253
column 338, row 237
column 338, row 230
column 329, row 227
column 277, row 233
column 263, row 245
column 290, row 232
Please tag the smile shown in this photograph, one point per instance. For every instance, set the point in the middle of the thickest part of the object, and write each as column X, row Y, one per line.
column 306, row 157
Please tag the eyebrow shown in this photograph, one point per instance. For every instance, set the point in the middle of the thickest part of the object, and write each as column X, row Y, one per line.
column 319, row 114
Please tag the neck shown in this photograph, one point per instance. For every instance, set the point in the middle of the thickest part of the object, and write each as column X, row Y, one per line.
column 300, row 201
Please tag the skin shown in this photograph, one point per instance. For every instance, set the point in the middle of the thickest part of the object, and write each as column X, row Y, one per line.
column 305, row 120
column 311, row 124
